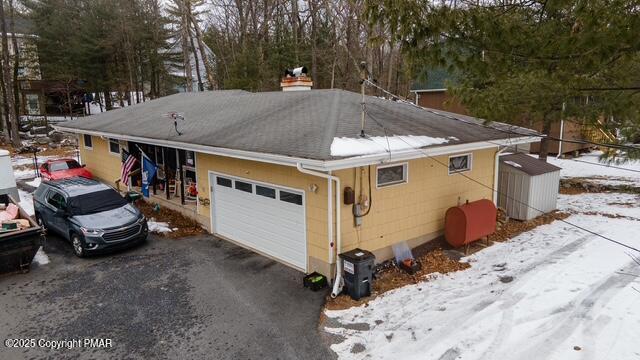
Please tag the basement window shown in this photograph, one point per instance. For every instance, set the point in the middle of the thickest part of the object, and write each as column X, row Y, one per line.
column 460, row 163
column 391, row 175
column 88, row 141
column 114, row 146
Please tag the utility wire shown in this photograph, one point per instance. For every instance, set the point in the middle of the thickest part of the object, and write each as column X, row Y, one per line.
column 509, row 197
column 517, row 133
column 532, row 134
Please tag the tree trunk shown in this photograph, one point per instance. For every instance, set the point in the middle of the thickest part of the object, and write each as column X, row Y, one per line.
column 12, row 119
column 195, row 56
column 184, row 34
column 544, row 143
column 16, row 58
column 203, row 53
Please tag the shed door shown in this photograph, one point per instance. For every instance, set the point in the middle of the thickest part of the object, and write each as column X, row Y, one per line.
column 262, row 216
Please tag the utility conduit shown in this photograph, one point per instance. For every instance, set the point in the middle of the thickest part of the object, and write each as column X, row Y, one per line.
column 338, row 282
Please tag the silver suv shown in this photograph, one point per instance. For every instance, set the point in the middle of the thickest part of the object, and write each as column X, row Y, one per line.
column 91, row 215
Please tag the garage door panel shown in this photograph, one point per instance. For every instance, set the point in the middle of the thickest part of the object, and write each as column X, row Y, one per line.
column 262, row 236
column 247, row 203
column 267, row 224
column 263, row 243
column 290, row 219
column 261, row 227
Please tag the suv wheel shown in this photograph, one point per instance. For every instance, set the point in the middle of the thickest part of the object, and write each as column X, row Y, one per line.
column 78, row 245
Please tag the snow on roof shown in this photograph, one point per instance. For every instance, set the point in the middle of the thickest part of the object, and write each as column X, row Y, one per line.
column 342, row 146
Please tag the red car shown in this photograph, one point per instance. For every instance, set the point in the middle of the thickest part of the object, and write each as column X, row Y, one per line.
column 63, row 169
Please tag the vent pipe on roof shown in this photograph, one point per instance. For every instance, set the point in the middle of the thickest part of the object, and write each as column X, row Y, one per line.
column 296, row 80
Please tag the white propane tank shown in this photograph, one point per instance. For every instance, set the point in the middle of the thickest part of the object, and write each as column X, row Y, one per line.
column 7, row 180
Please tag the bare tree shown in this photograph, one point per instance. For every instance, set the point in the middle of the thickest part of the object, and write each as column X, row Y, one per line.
column 8, row 95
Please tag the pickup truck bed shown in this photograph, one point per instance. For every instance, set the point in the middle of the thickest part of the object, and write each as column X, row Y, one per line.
column 18, row 247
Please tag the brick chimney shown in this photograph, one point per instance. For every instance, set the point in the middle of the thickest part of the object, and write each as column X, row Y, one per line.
column 296, row 80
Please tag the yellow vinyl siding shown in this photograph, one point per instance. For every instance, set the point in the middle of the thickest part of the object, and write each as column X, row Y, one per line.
column 103, row 164
column 416, row 208
column 402, row 212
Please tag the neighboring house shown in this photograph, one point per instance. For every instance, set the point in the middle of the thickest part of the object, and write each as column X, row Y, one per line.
column 28, row 65
column 278, row 172
column 431, row 92
column 175, row 66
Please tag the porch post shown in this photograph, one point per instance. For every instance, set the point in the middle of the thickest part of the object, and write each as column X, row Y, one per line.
column 166, row 173
column 181, row 179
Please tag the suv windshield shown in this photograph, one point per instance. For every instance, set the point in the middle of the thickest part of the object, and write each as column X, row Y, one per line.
column 64, row 165
column 103, row 200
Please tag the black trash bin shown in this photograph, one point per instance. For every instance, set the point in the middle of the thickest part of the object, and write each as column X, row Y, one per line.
column 357, row 271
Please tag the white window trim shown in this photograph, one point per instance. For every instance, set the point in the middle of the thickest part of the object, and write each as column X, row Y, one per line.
column 470, row 162
column 405, row 166
column 84, row 142
column 109, row 147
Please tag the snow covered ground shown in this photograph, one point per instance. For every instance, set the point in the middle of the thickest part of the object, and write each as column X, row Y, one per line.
column 612, row 175
column 555, row 292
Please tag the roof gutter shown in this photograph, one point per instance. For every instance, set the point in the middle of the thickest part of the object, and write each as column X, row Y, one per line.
column 319, row 165
column 239, row 154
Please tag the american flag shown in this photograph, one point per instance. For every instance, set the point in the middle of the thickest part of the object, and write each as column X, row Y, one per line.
column 128, row 162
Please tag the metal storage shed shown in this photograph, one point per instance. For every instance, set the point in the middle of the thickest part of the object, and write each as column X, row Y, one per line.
column 525, row 180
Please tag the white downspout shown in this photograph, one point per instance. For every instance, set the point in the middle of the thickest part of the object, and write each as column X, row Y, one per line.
column 496, row 175
column 338, row 282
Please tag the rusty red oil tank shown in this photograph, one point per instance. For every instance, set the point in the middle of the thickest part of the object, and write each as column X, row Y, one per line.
column 472, row 221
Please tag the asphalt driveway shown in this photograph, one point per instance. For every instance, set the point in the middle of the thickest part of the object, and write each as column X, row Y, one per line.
column 196, row 298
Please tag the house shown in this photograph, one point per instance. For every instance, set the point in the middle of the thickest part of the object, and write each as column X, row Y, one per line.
column 288, row 174
column 432, row 93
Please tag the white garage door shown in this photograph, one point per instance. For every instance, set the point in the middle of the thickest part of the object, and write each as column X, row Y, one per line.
column 264, row 217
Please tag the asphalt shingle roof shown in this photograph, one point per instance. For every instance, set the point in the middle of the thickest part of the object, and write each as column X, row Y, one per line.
column 528, row 164
column 300, row 124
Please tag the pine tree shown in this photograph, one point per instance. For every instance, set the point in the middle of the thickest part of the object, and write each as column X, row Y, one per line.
column 527, row 61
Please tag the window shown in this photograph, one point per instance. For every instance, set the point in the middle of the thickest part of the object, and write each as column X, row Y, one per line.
column 114, row 146
column 64, row 165
column 33, row 105
column 266, row 191
column 243, row 186
column 159, row 156
column 459, row 163
column 190, row 158
column 391, row 175
column 88, row 141
column 290, row 197
column 223, row 181
column 57, row 200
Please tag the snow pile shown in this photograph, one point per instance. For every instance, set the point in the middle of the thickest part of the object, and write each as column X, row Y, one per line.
column 342, row 146
column 26, row 202
column 24, row 174
column 536, row 296
column 41, row 257
column 158, row 227
column 35, row 182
